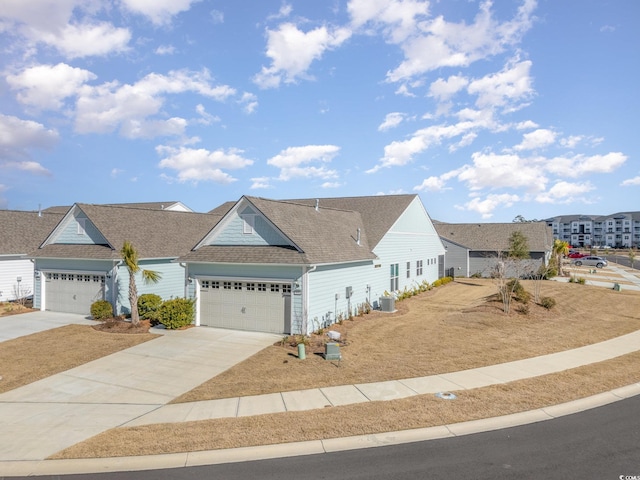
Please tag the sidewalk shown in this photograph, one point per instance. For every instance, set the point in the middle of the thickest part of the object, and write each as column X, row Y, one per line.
column 46, row 416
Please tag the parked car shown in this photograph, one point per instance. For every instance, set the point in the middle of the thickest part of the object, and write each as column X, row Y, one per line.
column 577, row 255
column 590, row 261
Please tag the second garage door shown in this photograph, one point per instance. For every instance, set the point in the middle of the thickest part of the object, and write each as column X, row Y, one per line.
column 73, row 292
column 254, row 306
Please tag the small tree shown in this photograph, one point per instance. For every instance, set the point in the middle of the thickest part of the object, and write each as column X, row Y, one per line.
column 560, row 250
column 130, row 257
column 518, row 246
column 632, row 256
column 510, row 267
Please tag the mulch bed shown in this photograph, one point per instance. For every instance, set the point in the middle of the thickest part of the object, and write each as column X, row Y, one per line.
column 120, row 325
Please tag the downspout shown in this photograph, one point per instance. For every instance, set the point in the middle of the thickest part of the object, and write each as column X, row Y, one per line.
column 40, row 279
column 113, row 278
column 196, row 295
column 305, row 299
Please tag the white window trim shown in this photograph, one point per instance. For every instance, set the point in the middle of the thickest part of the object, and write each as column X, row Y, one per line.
column 81, row 226
column 248, row 222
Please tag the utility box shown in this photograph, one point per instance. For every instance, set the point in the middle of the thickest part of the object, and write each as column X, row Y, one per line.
column 332, row 351
column 617, row 287
column 388, row 304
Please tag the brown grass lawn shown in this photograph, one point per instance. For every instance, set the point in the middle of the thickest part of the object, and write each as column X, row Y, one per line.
column 33, row 357
column 447, row 329
column 450, row 328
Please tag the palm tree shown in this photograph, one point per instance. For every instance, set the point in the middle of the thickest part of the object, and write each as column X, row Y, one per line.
column 130, row 257
column 560, row 249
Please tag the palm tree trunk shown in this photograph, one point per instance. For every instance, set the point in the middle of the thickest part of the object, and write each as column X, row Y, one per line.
column 133, row 299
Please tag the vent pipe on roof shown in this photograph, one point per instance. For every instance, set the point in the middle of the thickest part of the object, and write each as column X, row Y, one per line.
column 39, row 209
column 317, row 204
column 358, row 236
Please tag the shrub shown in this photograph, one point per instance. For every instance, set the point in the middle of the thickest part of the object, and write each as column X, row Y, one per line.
column 101, row 310
column 149, row 306
column 176, row 313
column 523, row 309
column 548, row 302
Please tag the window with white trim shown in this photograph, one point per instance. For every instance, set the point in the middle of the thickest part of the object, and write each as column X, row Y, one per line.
column 393, row 286
column 248, row 222
column 81, row 226
column 408, row 269
column 418, row 268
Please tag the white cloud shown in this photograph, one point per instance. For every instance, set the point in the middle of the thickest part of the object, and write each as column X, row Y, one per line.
column 571, row 141
column 249, row 101
column 493, row 171
column 284, row 12
column 294, row 162
column 292, row 51
column 491, row 202
column 47, row 86
column 202, row 165
column 397, row 18
column 110, row 106
column 331, row 185
column 260, row 182
column 160, row 12
column 436, row 43
column 537, row 139
column 579, row 165
column 205, row 117
column 18, row 137
column 565, row 192
column 505, row 88
column 444, row 89
column 431, row 184
column 631, row 182
column 84, row 40
column 392, row 120
column 165, row 50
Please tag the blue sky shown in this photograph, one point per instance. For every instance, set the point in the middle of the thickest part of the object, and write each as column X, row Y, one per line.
column 486, row 110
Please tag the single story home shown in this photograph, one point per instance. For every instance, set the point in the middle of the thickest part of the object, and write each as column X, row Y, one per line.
column 20, row 233
column 474, row 248
column 294, row 266
column 79, row 262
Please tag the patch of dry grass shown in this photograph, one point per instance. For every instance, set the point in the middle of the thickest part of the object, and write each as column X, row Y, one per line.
column 447, row 329
column 33, row 357
column 361, row 419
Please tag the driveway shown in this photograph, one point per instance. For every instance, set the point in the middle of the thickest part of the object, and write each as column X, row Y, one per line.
column 14, row 326
column 49, row 415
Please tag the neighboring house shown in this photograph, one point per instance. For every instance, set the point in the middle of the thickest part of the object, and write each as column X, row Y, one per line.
column 474, row 248
column 20, row 233
column 615, row 230
column 173, row 206
column 79, row 262
column 294, row 266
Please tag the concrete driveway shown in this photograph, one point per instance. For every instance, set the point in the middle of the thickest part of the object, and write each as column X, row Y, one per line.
column 46, row 416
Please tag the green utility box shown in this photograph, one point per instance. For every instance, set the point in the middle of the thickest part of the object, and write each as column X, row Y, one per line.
column 332, row 351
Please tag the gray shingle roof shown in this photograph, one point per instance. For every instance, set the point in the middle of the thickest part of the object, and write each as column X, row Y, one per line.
column 495, row 236
column 21, row 232
column 378, row 212
column 147, row 205
column 154, row 233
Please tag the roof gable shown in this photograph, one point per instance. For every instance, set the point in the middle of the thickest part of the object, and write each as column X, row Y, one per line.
column 154, row 233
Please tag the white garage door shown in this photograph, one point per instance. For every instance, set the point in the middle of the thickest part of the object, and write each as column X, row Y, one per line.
column 73, row 292
column 255, row 306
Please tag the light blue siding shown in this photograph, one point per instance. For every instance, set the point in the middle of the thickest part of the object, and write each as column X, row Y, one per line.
column 171, row 285
column 457, row 257
column 232, row 232
column 69, row 233
column 327, row 292
column 412, row 238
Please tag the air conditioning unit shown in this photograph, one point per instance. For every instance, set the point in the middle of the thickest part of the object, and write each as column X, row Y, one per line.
column 388, row 304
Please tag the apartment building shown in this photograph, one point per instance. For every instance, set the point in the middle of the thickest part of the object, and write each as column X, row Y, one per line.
column 618, row 230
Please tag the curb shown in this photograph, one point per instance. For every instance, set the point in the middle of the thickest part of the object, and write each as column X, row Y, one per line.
column 312, row 447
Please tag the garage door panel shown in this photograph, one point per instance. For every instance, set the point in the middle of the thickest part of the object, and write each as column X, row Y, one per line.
column 73, row 292
column 254, row 306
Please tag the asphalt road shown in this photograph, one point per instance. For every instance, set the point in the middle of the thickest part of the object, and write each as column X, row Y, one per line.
column 602, row 443
column 623, row 260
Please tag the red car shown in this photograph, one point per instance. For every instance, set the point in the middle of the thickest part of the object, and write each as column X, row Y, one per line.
column 577, row 255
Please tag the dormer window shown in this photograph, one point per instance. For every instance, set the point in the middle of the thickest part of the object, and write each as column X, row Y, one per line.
column 248, row 222
column 81, row 226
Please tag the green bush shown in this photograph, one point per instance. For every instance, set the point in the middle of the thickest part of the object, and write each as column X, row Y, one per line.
column 442, row 281
column 101, row 310
column 149, row 307
column 548, row 302
column 176, row 313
